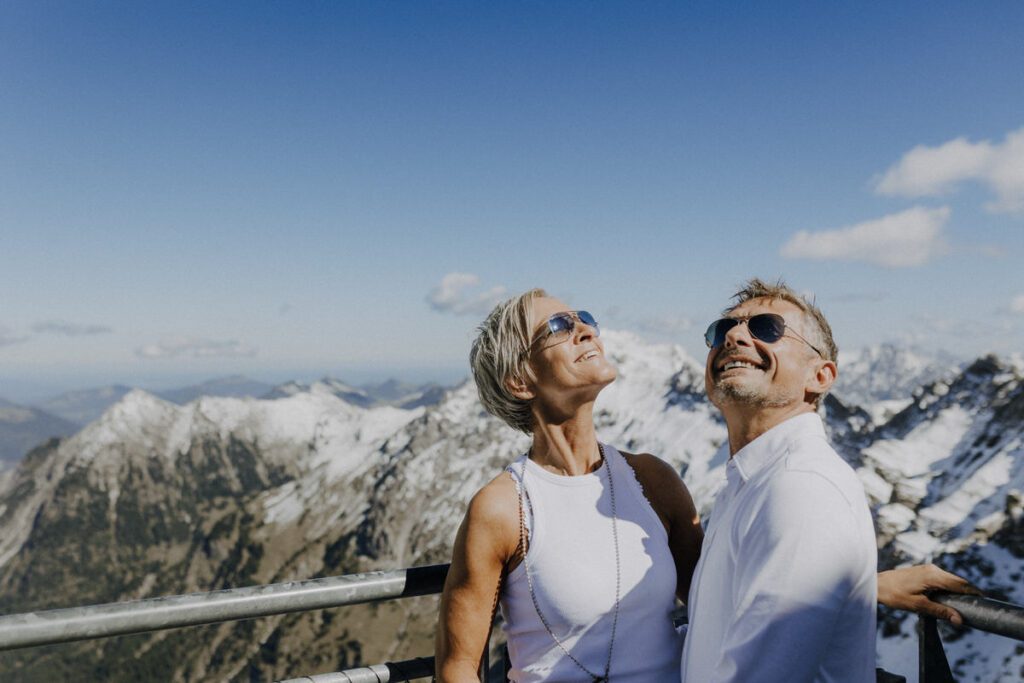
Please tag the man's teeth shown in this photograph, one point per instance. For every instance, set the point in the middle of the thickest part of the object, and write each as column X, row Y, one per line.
column 739, row 364
column 589, row 355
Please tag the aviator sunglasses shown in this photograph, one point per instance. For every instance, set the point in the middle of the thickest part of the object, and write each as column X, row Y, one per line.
column 767, row 327
column 560, row 326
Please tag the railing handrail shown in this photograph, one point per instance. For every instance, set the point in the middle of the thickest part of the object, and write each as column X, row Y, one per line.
column 392, row 672
column 986, row 614
column 192, row 609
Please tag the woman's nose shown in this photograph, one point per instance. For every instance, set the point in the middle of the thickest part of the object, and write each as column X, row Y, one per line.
column 583, row 331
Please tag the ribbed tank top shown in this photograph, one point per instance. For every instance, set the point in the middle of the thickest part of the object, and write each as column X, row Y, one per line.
column 572, row 563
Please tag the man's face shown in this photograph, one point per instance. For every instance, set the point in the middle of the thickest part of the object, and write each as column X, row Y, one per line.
column 747, row 371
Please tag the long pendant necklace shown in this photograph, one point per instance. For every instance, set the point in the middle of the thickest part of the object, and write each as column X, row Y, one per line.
column 595, row 678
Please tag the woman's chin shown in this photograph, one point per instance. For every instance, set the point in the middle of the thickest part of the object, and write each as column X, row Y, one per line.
column 608, row 373
column 605, row 378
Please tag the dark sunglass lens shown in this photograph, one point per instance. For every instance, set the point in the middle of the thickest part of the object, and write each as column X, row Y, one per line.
column 560, row 322
column 587, row 319
column 768, row 327
column 715, row 334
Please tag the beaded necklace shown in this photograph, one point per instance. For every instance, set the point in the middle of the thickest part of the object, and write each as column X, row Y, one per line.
column 596, row 678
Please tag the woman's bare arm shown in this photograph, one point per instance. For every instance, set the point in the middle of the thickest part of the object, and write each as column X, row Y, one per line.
column 486, row 540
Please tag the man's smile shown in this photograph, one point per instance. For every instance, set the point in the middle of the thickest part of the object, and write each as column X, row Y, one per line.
column 735, row 361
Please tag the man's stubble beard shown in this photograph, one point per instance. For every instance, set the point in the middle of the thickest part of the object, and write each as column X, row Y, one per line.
column 756, row 397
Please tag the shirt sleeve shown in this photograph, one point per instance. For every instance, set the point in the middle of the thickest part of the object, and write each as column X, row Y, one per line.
column 798, row 558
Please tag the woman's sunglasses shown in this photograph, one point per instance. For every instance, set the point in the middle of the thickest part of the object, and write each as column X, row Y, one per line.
column 560, row 326
column 767, row 327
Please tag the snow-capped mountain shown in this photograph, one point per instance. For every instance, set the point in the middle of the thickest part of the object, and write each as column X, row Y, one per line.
column 947, row 479
column 389, row 393
column 234, row 386
column 155, row 498
column 327, row 385
column 85, row 405
column 882, row 377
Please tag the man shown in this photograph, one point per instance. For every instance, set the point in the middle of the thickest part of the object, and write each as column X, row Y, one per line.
column 785, row 588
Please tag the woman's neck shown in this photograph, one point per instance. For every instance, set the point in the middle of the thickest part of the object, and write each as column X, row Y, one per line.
column 568, row 447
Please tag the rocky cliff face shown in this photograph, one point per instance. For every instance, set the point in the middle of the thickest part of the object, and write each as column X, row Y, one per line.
column 155, row 499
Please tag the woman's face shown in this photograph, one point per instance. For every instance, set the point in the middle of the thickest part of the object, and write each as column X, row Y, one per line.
column 567, row 367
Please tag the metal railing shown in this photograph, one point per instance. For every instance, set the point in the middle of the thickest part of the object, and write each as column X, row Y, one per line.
column 141, row 616
column 193, row 609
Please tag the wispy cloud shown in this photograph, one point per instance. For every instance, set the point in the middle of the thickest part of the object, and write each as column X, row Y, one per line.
column 666, row 325
column 460, row 293
column 8, row 337
column 900, row 240
column 932, row 171
column 196, row 348
column 68, row 329
column 1017, row 305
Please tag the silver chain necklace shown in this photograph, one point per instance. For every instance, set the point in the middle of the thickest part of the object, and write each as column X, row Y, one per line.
column 596, row 678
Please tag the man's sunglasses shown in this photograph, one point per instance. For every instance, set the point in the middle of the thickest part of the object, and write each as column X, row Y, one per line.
column 768, row 327
column 559, row 327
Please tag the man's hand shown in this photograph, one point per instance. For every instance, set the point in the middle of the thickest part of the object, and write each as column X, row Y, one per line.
column 908, row 589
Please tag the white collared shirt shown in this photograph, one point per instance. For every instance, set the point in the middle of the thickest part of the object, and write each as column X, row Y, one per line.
column 786, row 586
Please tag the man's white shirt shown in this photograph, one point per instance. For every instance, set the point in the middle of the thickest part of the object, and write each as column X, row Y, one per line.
column 786, row 586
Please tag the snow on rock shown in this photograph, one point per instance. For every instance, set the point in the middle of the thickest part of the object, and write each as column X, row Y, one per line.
column 283, row 506
column 888, row 372
column 915, row 454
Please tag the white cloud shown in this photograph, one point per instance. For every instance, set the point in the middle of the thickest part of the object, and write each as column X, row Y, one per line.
column 908, row 238
column 196, row 348
column 666, row 325
column 931, row 171
column 1017, row 305
column 8, row 337
column 68, row 329
column 458, row 293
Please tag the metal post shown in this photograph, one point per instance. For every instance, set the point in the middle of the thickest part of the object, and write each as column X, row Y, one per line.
column 932, row 665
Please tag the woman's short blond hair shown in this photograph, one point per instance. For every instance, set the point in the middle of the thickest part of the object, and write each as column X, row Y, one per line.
column 500, row 353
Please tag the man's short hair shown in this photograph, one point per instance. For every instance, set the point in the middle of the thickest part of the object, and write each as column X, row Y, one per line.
column 818, row 331
column 500, row 352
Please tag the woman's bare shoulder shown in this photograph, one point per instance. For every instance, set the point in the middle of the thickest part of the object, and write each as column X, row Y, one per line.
column 660, row 481
column 652, row 469
column 495, row 507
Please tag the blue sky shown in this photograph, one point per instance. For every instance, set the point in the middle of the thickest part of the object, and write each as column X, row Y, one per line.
column 298, row 189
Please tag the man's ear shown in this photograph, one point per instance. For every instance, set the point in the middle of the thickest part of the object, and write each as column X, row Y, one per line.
column 520, row 388
column 823, row 378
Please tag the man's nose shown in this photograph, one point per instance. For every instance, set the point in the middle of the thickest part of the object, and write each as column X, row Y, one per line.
column 738, row 335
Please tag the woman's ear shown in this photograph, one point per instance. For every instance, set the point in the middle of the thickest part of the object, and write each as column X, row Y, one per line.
column 520, row 388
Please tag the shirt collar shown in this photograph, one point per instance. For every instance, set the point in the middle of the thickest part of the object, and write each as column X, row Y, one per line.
column 770, row 446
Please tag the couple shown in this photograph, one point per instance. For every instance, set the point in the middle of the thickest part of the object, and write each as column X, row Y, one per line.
column 585, row 547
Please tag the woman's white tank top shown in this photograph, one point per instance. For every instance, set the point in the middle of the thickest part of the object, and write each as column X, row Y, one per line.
column 572, row 564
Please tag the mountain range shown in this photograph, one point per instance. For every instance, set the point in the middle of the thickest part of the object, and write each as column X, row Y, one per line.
column 23, row 427
column 154, row 498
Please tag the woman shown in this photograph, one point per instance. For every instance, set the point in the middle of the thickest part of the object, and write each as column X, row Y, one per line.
column 610, row 538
